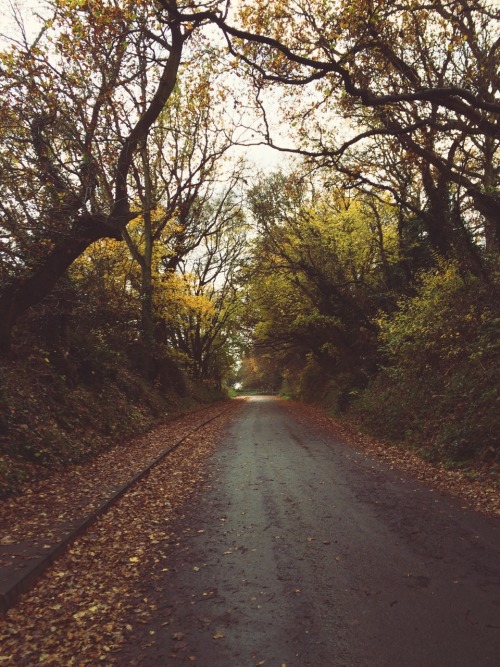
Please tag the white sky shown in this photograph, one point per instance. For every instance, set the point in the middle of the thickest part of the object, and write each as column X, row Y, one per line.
column 28, row 11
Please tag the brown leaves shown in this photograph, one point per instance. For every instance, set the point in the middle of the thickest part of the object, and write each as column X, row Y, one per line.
column 88, row 604
column 66, row 497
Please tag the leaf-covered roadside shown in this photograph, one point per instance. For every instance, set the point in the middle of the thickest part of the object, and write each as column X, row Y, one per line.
column 86, row 606
column 475, row 493
column 51, row 504
column 90, row 604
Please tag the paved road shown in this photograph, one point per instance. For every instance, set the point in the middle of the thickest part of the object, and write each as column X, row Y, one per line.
column 306, row 552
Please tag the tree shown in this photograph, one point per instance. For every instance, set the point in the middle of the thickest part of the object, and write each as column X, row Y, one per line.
column 207, row 332
column 321, row 268
column 422, row 76
column 180, row 169
column 438, row 385
column 68, row 141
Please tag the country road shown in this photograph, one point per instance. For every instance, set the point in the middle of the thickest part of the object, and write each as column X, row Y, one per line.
column 303, row 551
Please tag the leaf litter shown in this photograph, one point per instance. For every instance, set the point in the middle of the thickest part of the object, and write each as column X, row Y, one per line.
column 67, row 496
column 88, row 604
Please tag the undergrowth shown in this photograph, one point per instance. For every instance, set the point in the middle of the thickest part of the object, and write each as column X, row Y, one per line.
column 438, row 390
column 49, row 420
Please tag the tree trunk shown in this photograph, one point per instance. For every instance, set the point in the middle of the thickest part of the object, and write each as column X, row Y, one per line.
column 23, row 292
column 489, row 207
column 147, row 308
column 445, row 226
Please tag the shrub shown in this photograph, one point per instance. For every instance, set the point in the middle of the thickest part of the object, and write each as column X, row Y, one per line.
column 439, row 387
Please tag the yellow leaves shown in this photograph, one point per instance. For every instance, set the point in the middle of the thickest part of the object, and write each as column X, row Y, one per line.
column 89, row 611
column 177, row 299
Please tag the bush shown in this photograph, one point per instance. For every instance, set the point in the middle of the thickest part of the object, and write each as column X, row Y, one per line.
column 439, row 387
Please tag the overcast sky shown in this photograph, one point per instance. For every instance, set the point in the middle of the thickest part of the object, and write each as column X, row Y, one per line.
column 28, row 11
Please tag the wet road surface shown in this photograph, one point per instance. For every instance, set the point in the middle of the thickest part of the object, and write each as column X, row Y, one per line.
column 304, row 551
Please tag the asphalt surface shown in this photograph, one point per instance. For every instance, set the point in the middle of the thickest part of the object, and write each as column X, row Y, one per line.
column 304, row 551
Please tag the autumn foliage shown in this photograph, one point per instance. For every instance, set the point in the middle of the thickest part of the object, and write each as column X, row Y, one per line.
column 137, row 247
column 347, row 314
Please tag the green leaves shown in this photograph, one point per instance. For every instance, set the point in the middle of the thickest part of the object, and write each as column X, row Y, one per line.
column 441, row 360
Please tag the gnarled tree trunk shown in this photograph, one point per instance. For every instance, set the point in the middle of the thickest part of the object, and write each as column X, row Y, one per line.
column 23, row 292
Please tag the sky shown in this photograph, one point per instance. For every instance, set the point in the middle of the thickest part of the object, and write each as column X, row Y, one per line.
column 265, row 158
column 27, row 10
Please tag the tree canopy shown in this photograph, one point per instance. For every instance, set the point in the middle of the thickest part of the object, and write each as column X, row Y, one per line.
column 126, row 209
